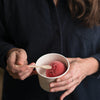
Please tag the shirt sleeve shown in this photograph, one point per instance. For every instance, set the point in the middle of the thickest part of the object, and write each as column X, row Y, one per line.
column 5, row 44
column 97, row 57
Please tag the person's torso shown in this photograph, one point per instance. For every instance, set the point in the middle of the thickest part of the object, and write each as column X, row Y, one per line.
column 39, row 27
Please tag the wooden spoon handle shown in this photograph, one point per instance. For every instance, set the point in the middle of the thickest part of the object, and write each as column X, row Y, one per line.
column 44, row 66
column 34, row 66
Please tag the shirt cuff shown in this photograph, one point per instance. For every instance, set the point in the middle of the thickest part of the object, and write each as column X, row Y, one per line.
column 97, row 74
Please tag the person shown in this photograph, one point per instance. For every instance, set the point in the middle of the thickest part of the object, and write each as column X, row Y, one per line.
column 32, row 28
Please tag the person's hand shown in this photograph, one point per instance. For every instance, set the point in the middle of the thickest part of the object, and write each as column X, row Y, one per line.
column 18, row 57
column 79, row 69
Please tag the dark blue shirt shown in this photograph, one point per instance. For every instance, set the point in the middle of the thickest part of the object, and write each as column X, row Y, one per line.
column 39, row 27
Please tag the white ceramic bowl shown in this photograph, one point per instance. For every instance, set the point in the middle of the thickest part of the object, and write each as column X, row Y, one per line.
column 45, row 60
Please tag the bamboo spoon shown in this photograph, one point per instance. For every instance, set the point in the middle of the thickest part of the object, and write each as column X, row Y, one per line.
column 34, row 66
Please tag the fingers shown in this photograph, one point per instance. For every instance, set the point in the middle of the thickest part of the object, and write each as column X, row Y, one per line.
column 17, row 64
column 17, row 57
column 69, row 91
column 22, row 75
column 21, row 57
column 21, row 72
column 25, row 74
column 61, row 86
column 15, row 69
column 65, row 77
column 12, row 59
column 71, row 80
column 61, row 83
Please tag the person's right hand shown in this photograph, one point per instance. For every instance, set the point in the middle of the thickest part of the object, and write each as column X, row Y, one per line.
column 18, row 56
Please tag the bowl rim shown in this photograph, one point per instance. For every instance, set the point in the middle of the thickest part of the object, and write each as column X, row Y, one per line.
column 68, row 64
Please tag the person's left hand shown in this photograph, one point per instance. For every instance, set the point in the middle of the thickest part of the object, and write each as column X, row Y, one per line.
column 79, row 69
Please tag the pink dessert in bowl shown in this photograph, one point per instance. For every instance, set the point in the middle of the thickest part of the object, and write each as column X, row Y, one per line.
column 57, row 69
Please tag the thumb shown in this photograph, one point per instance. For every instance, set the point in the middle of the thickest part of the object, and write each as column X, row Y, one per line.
column 21, row 57
column 34, row 71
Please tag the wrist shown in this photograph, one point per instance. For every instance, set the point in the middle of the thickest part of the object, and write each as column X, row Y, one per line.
column 92, row 65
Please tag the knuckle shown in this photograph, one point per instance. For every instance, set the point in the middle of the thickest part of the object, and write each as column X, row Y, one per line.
column 13, row 70
column 68, row 86
column 75, row 63
column 22, row 51
column 22, row 55
column 63, row 88
column 71, row 74
column 78, row 78
column 65, row 77
column 65, row 83
column 69, row 81
column 62, row 83
column 78, row 82
column 21, row 70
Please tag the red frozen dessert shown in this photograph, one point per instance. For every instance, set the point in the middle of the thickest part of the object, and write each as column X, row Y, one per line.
column 57, row 69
